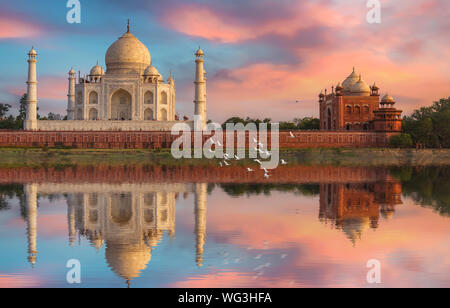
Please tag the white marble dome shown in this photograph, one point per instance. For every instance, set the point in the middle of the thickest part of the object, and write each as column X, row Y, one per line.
column 360, row 88
column 151, row 71
column 97, row 71
column 350, row 81
column 126, row 55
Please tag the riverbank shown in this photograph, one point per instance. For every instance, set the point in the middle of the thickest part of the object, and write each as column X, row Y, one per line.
column 41, row 157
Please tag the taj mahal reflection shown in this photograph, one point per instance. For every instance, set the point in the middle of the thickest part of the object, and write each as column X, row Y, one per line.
column 128, row 220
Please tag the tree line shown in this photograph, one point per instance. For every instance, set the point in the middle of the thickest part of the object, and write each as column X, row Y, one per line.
column 308, row 123
column 427, row 127
column 16, row 122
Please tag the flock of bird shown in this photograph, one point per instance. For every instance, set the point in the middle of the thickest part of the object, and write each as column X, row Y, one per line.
column 259, row 148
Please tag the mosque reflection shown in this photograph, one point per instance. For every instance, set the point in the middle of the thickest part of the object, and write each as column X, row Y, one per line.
column 130, row 220
column 354, row 208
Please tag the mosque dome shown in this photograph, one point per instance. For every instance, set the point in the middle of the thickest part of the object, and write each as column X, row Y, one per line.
column 350, row 81
column 126, row 55
column 97, row 71
column 127, row 260
column 387, row 99
column 360, row 88
column 151, row 71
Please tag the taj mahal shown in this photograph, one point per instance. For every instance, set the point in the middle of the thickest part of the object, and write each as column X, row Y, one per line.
column 130, row 95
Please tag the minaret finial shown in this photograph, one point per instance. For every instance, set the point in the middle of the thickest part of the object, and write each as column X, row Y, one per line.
column 128, row 26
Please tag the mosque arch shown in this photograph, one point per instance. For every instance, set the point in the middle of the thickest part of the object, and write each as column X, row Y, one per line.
column 163, row 98
column 148, row 98
column 79, row 114
column 121, row 105
column 163, row 115
column 93, row 114
column 93, row 98
column 148, row 114
column 79, row 98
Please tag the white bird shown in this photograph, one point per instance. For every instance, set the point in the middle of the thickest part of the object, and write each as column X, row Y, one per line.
column 258, row 161
column 225, row 162
column 220, row 163
column 236, row 157
column 218, row 142
column 260, row 145
column 255, row 141
column 283, row 162
column 249, row 169
column 291, row 134
column 265, row 170
column 226, row 156
column 266, row 175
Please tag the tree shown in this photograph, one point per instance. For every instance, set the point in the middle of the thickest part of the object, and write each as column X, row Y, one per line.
column 401, row 141
column 4, row 109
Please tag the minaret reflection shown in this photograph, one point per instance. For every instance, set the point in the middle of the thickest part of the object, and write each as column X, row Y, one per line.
column 31, row 217
column 200, row 221
column 355, row 207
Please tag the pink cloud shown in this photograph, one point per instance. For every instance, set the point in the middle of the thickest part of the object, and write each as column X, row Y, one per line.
column 49, row 88
column 13, row 27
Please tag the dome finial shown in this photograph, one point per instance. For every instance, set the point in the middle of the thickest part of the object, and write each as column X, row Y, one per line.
column 128, row 26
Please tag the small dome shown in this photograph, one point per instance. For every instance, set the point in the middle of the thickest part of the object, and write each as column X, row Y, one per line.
column 151, row 71
column 97, row 71
column 32, row 52
column 375, row 87
column 339, row 86
column 350, row 81
column 387, row 99
column 71, row 72
column 199, row 52
column 360, row 87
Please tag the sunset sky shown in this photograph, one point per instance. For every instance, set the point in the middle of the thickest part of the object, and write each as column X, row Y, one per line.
column 261, row 55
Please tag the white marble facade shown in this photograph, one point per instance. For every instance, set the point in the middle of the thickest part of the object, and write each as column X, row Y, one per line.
column 129, row 95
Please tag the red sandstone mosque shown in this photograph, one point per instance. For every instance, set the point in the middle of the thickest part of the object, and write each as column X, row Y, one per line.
column 355, row 106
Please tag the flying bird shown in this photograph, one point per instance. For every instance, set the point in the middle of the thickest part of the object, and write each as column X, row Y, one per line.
column 249, row 169
column 291, row 134
column 283, row 162
column 258, row 161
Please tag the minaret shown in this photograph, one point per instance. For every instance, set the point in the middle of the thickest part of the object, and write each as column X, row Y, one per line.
column 200, row 221
column 31, row 119
column 31, row 210
column 200, row 90
column 71, row 96
column 71, row 218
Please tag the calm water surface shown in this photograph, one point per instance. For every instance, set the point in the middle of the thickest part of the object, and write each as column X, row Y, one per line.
column 144, row 227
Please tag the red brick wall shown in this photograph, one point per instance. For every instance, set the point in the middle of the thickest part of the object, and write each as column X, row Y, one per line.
column 139, row 140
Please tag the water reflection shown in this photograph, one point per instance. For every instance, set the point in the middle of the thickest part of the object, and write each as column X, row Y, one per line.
column 354, row 208
column 129, row 220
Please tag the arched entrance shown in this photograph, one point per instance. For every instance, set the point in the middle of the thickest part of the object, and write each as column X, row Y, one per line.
column 121, row 105
column 93, row 114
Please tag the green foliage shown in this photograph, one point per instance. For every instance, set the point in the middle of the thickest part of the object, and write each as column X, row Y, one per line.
column 307, row 123
column 428, row 186
column 430, row 126
column 4, row 108
column 401, row 141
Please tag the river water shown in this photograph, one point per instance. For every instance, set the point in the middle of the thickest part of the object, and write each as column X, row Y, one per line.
column 145, row 226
